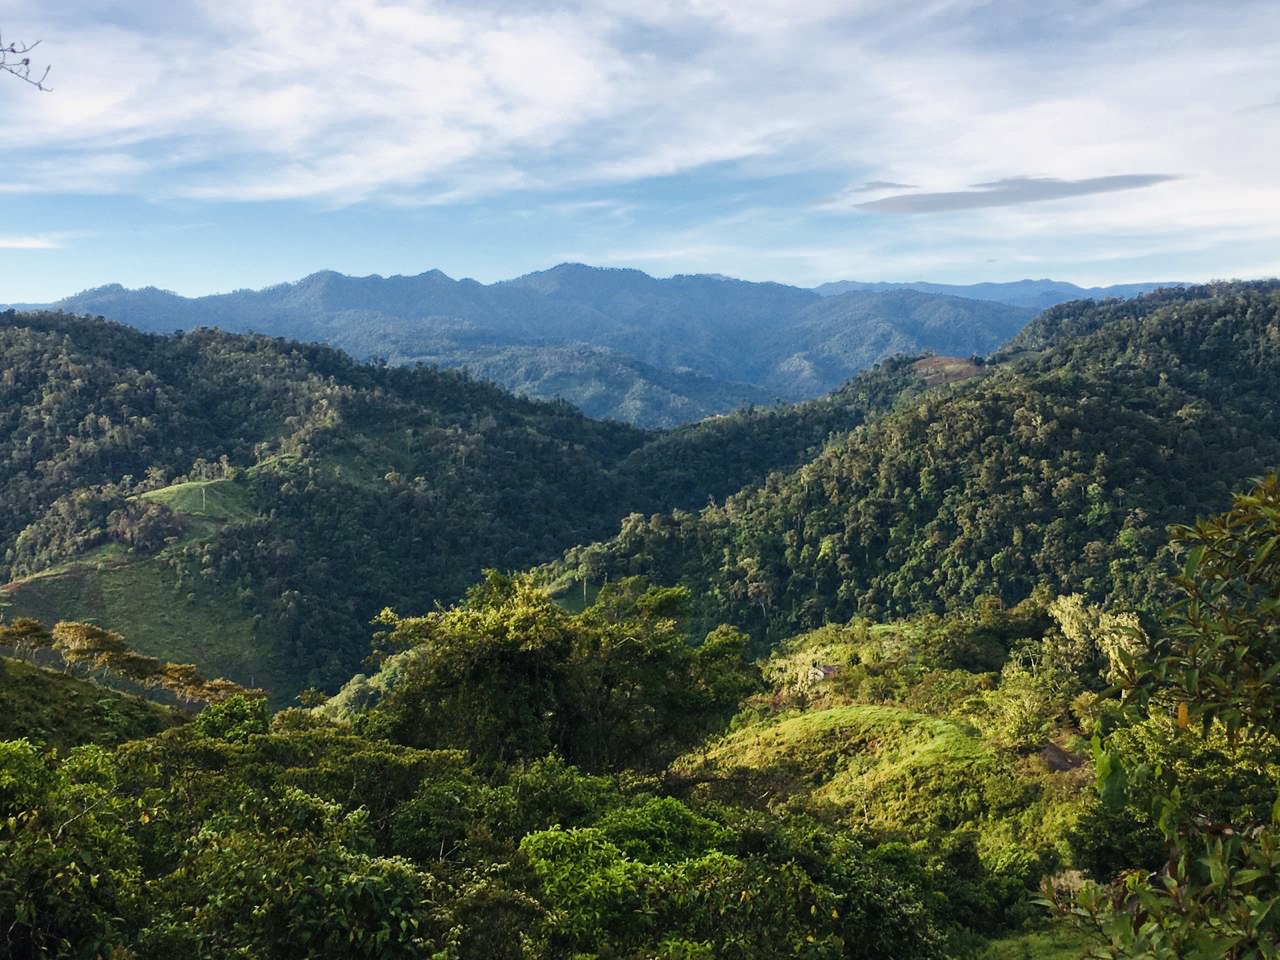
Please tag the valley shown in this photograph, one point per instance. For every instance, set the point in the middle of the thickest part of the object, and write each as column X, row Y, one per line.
column 920, row 667
column 617, row 344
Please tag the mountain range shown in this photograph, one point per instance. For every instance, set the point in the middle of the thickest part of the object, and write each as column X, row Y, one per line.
column 248, row 503
column 1036, row 294
column 851, row 677
column 615, row 343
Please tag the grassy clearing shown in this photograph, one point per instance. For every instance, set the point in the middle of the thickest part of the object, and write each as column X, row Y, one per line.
column 46, row 707
column 221, row 500
column 879, row 765
column 1054, row 943
column 136, row 597
column 937, row 370
column 361, row 458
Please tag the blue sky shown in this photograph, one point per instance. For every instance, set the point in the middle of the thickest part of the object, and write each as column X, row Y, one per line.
column 203, row 146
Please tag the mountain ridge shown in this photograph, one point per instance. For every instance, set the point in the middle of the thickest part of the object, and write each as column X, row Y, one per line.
column 597, row 335
column 1059, row 468
column 1039, row 294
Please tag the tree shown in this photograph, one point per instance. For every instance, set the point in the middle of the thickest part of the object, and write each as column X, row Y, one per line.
column 86, row 643
column 14, row 59
column 26, row 636
column 1210, row 681
column 510, row 675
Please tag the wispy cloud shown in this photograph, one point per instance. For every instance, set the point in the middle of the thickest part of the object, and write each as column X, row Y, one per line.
column 1261, row 107
column 871, row 186
column 407, row 107
column 1011, row 192
column 36, row 242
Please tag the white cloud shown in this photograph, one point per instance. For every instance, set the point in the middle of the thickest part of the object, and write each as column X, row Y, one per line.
column 420, row 102
column 32, row 242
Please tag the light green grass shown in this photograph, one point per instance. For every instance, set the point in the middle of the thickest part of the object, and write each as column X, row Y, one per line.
column 222, row 500
column 136, row 598
column 1054, row 943
column 880, row 765
column 361, row 458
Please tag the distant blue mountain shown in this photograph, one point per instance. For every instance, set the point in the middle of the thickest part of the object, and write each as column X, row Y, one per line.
column 1036, row 294
column 617, row 343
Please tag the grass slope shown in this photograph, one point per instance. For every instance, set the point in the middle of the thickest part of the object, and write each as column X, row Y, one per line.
column 47, row 707
column 219, row 500
column 880, row 765
column 1053, row 943
column 137, row 597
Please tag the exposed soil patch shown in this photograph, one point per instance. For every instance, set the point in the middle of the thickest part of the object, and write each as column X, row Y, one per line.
column 936, row 370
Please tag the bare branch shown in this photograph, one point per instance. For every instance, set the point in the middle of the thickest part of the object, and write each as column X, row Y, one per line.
column 14, row 59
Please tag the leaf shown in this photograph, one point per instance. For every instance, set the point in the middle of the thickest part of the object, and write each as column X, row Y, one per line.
column 1189, row 565
column 1265, row 552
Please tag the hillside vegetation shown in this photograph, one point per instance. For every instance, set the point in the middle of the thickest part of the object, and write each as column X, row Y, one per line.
column 284, row 486
column 889, row 789
column 1060, row 467
column 980, row 661
column 249, row 504
column 43, row 706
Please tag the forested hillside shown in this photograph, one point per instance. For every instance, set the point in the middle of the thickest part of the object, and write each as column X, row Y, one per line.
column 283, row 487
column 1062, row 466
column 248, row 504
column 976, row 712
column 615, row 343
column 521, row 781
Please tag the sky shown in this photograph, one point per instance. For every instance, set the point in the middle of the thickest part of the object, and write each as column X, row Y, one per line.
column 204, row 146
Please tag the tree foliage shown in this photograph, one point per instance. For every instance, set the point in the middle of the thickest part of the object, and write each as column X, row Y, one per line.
column 1061, row 467
column 508, row 675
column 1210, row 781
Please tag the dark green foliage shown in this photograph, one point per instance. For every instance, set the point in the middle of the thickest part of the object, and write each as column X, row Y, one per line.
column 503, row 786
column 61, row 711
column 508, row 675
column 284, row 876
column 68, row 869
column 660, row 880
column 234, row 720
column 1221, row 653
column 306, row 839
column 1203, row 760
column 392, row 470
column 318, row 491
column 721, row 455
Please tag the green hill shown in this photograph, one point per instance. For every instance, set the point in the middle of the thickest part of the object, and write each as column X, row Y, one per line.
column 50, row 708
column 248, row 504
column 617, row 344
column 1062, row 466
column 880, row 765
column 258, row 501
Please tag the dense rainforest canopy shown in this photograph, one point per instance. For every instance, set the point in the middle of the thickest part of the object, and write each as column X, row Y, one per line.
column 1060, row 465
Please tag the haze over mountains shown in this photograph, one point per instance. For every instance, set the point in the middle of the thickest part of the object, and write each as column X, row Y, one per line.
column 616, row 343
column 1038, row 294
